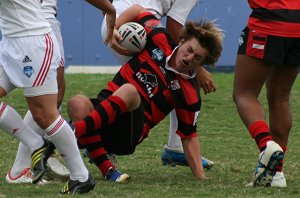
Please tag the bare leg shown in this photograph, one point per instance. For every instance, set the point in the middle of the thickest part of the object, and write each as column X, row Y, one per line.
column 278, row 91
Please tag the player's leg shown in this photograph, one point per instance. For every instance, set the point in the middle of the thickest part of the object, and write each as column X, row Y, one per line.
column 124, row 99
column 78, row 108
column 56, row 170
column 278, row 91
column 57, row 130
column 42, row 102
column 11, row 122
column 250, row 75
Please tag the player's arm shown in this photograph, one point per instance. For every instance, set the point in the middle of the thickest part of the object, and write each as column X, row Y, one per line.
column 205, row 80
column 187, row 130
column 192, row 152
column 173, row 28
column 131, row 14
column 109, row 9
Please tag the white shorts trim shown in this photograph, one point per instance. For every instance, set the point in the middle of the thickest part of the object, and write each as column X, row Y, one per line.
column 41, row 90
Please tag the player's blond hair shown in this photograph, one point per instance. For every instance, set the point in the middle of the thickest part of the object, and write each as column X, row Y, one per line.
column 208, row 34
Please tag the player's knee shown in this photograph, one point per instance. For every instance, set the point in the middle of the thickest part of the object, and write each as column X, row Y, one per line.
column 41, row 119
column 78, row 107
column 130, row 95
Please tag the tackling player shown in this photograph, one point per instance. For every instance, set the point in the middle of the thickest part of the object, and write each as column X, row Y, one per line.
column 145, row 90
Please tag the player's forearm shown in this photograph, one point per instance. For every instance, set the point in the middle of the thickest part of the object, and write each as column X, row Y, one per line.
column 192, row 153
column 104, row 5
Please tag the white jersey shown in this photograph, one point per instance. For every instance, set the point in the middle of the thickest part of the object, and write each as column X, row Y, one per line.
column 176, row 9
column 20, row 18
column 49, row 8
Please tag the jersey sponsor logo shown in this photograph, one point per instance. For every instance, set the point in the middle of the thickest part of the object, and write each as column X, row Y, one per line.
column 150, row 82
column 174, row 85
column 157, row 54
column 28, row 71
column 26, row 59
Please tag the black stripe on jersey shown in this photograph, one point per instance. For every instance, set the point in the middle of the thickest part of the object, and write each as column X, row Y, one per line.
column 119, row 80
column 147, row 108
column 160, row 101
column 283, row 15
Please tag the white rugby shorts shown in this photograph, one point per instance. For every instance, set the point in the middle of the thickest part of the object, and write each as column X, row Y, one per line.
column 30, row 63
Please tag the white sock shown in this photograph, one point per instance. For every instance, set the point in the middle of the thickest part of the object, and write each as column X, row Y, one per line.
column 22, row 161
column 23, row 157
column 174, row 139
column 62, row 136
column 12, row 123
column 28, row 119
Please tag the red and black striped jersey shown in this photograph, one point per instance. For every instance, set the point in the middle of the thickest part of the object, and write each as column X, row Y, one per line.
column 277, row 18
column 161, row 90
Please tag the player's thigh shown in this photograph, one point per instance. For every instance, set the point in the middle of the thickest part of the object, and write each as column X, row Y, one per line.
column 42, row 102
column 280, row 82
column 250, row 74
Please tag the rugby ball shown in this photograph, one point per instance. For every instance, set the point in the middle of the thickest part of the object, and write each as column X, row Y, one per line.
column 134, row 37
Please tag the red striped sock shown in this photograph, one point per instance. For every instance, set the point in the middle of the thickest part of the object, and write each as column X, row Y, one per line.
column 260, row 132
column 105, row 113
column 279, row 167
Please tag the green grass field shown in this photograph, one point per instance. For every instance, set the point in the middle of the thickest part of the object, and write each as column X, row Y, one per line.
column 223, row 137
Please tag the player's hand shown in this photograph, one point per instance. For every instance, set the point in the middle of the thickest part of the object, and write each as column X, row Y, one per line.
column 115, row 43
column 110, row 24
column 205, row 81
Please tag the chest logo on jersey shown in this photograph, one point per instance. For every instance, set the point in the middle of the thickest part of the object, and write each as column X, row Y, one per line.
column 28, row 71
column 150, row 82
column 157, row 54
column 174, row 85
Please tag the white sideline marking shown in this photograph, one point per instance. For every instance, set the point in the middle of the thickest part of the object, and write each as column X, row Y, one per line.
column 81, row 69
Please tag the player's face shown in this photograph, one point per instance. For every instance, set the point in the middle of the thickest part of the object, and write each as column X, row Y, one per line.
column 190, row 54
